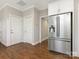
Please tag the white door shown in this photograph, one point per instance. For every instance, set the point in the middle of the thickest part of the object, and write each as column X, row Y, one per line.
column 28, row 29
column 15, row 29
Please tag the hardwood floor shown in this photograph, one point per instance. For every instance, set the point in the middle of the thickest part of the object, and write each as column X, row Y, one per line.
column 27, row 51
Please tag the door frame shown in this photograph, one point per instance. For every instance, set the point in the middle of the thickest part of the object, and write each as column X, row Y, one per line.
column 40, row 27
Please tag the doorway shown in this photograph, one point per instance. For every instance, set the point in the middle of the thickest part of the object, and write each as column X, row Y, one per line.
column 44, row 29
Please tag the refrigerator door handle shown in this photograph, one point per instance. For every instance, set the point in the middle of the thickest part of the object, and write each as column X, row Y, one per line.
column 52, row 27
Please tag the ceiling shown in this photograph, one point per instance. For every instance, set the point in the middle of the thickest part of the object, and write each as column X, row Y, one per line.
column 50, row 1
column 25, row 4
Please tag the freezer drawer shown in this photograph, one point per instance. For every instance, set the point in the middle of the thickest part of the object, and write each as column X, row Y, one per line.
column 60, row 46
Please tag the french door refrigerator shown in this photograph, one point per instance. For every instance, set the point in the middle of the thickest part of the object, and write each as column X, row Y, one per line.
column 60, row 33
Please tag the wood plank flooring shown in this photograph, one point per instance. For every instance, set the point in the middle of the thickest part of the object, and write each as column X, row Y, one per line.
column 27, row 51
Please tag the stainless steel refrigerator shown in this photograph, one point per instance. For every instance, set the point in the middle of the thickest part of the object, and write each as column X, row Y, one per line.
column 60, row 33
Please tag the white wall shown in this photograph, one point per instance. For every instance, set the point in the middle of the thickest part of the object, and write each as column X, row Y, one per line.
column 75, row 30
column 2, row 32
column 0, row 25
column 28, row 25
column 36, row 25
column 3, row 29
column 33, row 15
column 76, row 27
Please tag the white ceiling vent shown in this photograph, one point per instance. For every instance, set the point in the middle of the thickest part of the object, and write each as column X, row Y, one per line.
column 21, row 3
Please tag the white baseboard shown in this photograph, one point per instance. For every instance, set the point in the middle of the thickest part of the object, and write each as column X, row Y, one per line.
column 40, row 41
column 44, row 39
column 32, row 43
column 28, row 42
column 5, row 44
column 36, row 43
